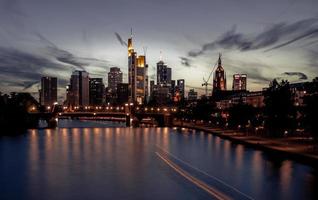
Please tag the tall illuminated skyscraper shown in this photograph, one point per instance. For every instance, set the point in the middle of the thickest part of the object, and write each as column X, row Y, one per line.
column 137, row 75
column 219, row 79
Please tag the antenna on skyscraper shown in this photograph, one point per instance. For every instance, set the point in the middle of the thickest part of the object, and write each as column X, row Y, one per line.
column 160, row 55
column 131, row 33
column 145, row 50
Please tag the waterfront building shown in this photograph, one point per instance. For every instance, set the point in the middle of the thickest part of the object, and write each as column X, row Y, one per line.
column 137, row 75
column 48, row 91
column 96, row 91
column 78, row 90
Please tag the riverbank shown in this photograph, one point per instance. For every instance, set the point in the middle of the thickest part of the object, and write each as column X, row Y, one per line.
column 295, row 148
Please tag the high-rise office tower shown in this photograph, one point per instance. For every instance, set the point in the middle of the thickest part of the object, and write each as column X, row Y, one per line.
column 163, row 74
column 79, row 89
column 48, row 91
column 115, row 76
column 96, row 91
column 137, row 75
column 219, row 79
column 239, row 82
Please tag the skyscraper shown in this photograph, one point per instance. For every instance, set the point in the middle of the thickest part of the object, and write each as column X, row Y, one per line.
column 115, row 76
column 163, row 74
column 96, row 91
column 239, row 82
column 137, row 75
column 219, row 79
column 48, row 91
column 79, row 89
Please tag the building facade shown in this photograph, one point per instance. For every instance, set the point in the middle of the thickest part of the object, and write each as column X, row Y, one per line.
column 122, row 93
column 192, row 95
column 78, row 90
column 239, row 82
column 96, row 91
column 137, row 75
column 115, row 76
column 48, row 91
column 163, row 74
column 219, row 79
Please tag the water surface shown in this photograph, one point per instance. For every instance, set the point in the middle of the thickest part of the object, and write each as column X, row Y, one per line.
column 99, row 160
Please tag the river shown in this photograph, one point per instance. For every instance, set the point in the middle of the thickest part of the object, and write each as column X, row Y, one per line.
column 105, row 160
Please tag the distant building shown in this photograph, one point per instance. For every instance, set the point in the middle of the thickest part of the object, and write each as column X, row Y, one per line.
column 137, row 75
column 115, row 76
column 96, row 91
column 192, row 95
column 239, row 82
column 78, row 90
column 180, row 88
column 152, row 86
column 48, row 91
column 219, row 79
column 163, row 74
column 122, row 93
column 161, row 95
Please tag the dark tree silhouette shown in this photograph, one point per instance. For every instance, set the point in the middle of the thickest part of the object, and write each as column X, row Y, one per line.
column 311, row 110
column 14, row 112
column 279, row 110
column 241, row 115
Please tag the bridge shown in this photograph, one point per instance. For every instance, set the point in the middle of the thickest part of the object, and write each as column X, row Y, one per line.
column 132, row 116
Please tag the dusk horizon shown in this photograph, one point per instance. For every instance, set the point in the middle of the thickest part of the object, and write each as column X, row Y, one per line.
column 265, row 40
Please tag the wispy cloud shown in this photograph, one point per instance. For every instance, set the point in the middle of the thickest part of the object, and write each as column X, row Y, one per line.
column 185, row 61
column 120, row 40
column 279, row 35
column 295, row 76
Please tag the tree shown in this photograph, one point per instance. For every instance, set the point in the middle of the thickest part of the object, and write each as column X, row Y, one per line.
column 279, row 109
column 241, row 115
column 311, row 110
column 14, row 112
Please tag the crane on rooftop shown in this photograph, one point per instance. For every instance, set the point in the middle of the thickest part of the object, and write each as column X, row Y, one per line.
column 206, row 81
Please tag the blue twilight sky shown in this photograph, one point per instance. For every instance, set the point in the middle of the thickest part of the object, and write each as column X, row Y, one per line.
column 265, row 39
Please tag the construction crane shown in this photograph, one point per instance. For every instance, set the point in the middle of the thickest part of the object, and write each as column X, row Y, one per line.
column 206, row 82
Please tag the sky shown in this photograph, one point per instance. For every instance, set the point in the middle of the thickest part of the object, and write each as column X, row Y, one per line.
column 264, row 39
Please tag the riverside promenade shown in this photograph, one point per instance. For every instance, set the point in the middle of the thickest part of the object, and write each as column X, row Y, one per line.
column 296, row 148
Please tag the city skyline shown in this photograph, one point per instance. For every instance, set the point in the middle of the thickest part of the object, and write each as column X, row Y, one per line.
column 259, row 42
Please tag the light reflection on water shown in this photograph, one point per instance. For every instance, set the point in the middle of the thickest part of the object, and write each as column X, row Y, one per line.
column 120, row 163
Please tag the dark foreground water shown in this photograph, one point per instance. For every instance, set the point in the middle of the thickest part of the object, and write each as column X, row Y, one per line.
column 95, row 160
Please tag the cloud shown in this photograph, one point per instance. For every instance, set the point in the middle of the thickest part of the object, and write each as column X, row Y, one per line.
column 185, row 61
column 299, row 75
column 23, row 69
column 282, row 33
column 120, row 40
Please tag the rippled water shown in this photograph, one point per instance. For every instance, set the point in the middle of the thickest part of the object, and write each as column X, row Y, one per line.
column 96, row 160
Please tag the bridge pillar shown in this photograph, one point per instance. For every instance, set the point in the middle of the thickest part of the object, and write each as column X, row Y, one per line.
column 167, row 120
column 51, row 123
